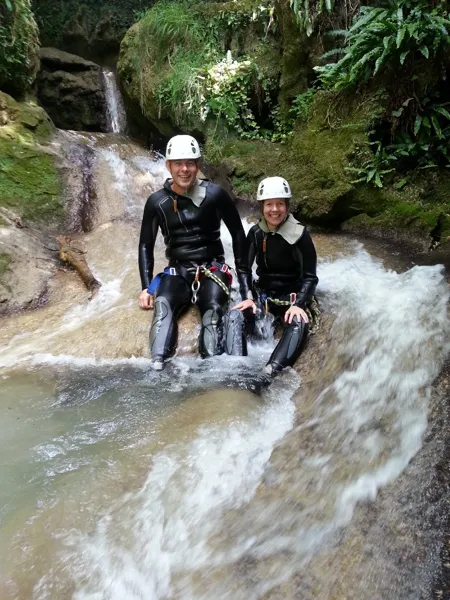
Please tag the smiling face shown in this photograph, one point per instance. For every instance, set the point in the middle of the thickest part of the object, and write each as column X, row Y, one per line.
column 274, row 211
column 184, row 173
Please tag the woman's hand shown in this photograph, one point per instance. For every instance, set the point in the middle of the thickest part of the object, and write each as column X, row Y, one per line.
column 295, row 311
column 145, row 300
column 244, row 305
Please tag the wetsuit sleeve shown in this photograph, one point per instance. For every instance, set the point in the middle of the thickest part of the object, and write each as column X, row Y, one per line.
column 251, row 245
column 232, row 220
column 149, row 230
column 310, row 279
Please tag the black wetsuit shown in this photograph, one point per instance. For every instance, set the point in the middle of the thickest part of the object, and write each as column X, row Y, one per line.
column 191, row 233
column 286, row 271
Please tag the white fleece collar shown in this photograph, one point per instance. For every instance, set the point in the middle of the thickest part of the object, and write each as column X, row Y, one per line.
column 196, row 193
column 291, row 230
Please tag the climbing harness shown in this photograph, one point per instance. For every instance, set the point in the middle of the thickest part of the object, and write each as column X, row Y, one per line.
column 200, row 272
column 266, row 299
column 312, row 309
column 203, row 271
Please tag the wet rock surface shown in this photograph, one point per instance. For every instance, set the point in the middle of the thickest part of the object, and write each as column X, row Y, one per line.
column 71, row 91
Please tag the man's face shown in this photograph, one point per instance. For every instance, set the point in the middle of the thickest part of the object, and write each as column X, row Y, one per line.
column 184, row 173
column 274, row 211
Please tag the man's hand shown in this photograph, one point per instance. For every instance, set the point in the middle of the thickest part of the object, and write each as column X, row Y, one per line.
column 146, row 300
column 295, row 311
column 244, row 305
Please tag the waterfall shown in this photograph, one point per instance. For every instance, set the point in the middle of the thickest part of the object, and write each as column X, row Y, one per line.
column 115, row 110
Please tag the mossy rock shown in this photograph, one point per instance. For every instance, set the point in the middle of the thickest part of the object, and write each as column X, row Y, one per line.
column 25, row 121
column 295, row 57
column 402, row 216
column 314, row 161
column 29, row 180
column 19, row 57
column 89, row 28
column 153, row 78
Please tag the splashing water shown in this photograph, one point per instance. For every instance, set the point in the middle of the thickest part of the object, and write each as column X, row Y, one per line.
column 117, row 120
column 118, row 482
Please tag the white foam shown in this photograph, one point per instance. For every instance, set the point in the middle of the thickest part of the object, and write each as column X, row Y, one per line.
column 172, row 518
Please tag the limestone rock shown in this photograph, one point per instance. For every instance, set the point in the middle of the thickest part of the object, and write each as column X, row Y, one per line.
column 71, row 91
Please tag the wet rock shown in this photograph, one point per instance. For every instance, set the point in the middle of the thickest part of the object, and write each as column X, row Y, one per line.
column 71, row 91
column 90, row 29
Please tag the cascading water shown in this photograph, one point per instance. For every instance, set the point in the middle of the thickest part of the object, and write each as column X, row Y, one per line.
column 121, row 483
column 116, row 112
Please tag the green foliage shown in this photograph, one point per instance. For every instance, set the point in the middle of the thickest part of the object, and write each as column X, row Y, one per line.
column 383, row 37
column 374, row 166
column 29, row 182
column 426, row 146
column 307, row 11
column 228, row 89
column 5, row 260
column 298, row 113
column 398, row 39
column 19, row 43
column 169, row 27
column 184, row 62
column 65, row 23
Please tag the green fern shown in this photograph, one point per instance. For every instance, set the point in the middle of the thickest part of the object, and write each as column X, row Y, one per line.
column 382, row 36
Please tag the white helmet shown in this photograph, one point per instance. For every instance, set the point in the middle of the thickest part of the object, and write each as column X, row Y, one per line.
column 182, row 147
column 273, row 187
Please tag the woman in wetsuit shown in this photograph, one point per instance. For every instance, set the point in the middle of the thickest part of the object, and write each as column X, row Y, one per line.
column 286, row 269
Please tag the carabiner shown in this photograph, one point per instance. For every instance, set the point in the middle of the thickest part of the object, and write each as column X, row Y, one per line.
column 195, row 287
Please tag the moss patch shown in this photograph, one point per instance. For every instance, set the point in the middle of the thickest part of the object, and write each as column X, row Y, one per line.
column 29, row 180
column 88, row 28
column 163, row 54
column 5, row 261
column 313, row 161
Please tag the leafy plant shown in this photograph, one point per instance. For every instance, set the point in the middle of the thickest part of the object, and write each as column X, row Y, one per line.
column 19, row 42
column 386, row 36
column 426, row 146
column 227, row 90
column 306, row 12
column 283, row 128
column 374, row 166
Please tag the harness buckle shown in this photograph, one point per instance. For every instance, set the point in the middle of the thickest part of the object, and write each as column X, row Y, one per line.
column 172, row 271
column 292, row 298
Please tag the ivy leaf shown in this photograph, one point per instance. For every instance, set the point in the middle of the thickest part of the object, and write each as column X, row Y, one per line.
column 8, row 5
column 424, row 51
column 436, row 126
column 442, row 111
column 400, row 35
column 400, row 184
column 397, row 113
column 371, row 175
column 403, row 55
column 378, row 181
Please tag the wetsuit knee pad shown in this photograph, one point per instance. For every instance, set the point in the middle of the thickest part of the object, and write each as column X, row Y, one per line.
column 290, row 345
column 210, row 335
column 162, row 329
column 234, row 340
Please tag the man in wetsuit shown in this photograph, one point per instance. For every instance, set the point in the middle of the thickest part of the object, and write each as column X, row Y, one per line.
column 189, row 211
column 286, row 268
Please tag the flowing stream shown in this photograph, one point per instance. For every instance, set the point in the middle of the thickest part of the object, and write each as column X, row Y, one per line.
column 120, row 483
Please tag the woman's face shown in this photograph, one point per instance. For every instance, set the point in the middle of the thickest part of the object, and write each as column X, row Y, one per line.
column 274, row 211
